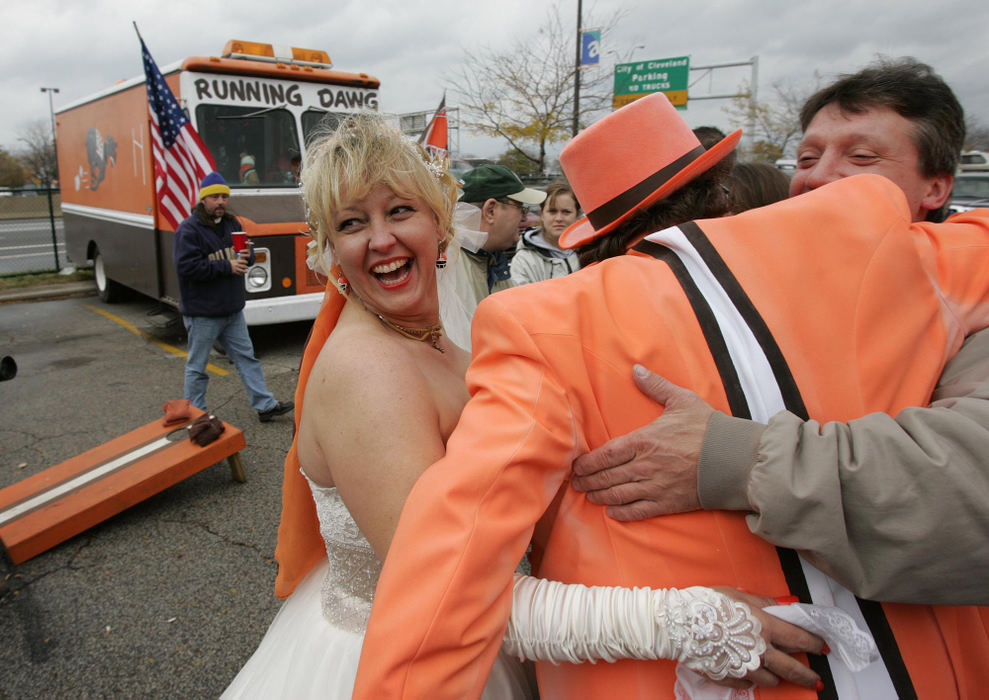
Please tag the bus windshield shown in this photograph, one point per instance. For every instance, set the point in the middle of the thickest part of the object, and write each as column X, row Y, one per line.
column 316, row 121
column 251, row 146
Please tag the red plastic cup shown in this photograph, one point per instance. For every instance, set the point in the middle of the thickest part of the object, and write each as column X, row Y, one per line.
column 240, row 240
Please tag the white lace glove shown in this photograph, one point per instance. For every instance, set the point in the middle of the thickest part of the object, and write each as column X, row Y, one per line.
column 699, row 627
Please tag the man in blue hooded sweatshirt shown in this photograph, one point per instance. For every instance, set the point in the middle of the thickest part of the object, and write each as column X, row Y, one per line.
column 212, row 296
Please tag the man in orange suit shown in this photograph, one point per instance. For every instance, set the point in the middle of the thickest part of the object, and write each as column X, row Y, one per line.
column 830, row 305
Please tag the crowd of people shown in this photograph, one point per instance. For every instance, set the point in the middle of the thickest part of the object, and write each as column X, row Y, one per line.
column 780, row 512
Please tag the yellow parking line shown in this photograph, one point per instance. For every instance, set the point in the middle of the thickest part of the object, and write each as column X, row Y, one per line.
column 147, row 336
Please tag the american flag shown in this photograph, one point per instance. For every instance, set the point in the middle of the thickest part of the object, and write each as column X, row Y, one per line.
column 181, row 158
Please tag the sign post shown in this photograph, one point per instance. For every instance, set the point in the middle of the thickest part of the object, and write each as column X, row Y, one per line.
column 638, row 79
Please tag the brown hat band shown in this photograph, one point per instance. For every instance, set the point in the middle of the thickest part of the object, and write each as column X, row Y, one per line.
column 618, row 206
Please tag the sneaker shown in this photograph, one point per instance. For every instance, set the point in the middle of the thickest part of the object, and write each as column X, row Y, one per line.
column 280, row 408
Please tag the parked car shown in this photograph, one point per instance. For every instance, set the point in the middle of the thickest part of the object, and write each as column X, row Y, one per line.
column 974, row 160
column 461, row 166
column 971, row 191
column 787, row 165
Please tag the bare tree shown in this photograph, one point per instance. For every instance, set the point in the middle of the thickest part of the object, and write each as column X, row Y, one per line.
column 38, row 153
column 11, row 171
column 774, row 125
column 525, row 93
column 976, row 134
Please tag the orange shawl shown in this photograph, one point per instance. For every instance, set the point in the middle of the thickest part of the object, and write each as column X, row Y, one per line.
column 300, row 546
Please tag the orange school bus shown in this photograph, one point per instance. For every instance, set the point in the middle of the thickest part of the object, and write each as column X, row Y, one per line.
column 254, row 107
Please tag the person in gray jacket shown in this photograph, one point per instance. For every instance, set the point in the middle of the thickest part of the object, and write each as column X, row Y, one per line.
column 538, row 255
column 894, row 508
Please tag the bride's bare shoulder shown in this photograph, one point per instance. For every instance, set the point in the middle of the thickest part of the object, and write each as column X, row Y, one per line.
column 357, row 365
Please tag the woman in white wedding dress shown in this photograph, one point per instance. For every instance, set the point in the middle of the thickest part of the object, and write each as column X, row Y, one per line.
column 381, row 387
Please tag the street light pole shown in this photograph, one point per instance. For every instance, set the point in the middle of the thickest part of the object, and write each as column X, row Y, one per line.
column 51, row 208
column 51, row 110
column 625, row 59
column 51, row 107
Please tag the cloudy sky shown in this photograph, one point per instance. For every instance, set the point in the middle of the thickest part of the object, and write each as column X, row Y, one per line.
column 412, row 45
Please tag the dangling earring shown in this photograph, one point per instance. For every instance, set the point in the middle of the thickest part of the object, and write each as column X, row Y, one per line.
column 341, row 281
column 441, row 259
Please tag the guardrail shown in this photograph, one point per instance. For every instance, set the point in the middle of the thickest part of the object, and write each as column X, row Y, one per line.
column 540, row 181
column 32, row 237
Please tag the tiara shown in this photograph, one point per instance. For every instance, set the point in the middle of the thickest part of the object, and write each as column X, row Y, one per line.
column 435, row 160
column 435, row 168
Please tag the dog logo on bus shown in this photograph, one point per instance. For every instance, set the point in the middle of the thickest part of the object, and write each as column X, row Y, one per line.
column 100, row 152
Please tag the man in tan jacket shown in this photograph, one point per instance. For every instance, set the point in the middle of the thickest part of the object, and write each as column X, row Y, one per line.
column 910, row 491
column 501, row 198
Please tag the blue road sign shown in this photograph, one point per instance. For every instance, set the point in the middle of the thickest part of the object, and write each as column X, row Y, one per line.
column 590, row 47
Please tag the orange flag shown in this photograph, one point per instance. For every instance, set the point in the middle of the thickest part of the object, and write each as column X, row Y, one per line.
column 435, row 138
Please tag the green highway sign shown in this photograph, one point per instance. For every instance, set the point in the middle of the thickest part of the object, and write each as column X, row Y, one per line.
column 666, row 75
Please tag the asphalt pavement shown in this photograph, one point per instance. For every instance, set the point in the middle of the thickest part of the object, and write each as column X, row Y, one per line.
column 170, row 597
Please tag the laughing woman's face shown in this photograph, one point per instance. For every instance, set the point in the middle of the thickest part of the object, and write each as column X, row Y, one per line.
column 386, row 246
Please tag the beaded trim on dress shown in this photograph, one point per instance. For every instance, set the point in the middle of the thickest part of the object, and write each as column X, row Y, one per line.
column 348, row 589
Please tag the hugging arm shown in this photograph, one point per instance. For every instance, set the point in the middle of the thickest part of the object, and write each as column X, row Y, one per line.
column 865, row 501
column 905, row 499
column 715, row 633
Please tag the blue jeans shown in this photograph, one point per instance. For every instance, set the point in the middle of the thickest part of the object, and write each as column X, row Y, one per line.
column 232, row 333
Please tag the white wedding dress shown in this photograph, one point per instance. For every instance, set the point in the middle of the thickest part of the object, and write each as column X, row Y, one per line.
column 313, row 645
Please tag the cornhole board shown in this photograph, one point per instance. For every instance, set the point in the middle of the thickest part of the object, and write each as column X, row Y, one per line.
column 49, row 507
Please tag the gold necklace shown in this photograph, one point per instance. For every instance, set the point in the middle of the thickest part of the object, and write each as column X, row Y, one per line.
column 430, row 334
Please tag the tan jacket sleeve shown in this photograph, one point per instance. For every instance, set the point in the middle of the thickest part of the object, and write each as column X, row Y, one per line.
column 895, row 509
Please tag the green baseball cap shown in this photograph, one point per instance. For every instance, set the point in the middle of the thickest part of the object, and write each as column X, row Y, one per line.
column 493, row 181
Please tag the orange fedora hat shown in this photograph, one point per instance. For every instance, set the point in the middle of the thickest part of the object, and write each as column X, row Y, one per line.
column 629, row 160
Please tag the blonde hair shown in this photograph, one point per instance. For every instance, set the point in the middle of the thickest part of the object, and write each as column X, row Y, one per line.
column 362, row 152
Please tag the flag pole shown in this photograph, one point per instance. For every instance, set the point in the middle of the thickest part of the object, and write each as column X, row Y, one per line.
column 181, row 158
column 154, row 185
column 432, row 120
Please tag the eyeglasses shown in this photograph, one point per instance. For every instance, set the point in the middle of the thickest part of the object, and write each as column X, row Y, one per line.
column 513, row 203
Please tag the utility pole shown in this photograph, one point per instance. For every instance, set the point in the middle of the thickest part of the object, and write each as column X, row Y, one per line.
column 576, row 75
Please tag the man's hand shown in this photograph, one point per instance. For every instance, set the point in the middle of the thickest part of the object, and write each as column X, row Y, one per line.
column 238, row 265
column 653, row 470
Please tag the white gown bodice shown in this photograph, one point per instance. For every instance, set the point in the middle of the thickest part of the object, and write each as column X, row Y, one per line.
column 348, row 589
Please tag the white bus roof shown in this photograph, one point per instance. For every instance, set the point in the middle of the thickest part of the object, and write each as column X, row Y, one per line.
column 117, row 87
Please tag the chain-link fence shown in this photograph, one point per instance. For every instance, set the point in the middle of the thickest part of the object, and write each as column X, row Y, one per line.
column 32, row 237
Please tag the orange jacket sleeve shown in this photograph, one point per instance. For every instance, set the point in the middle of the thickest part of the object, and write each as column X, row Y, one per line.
column 953, row 254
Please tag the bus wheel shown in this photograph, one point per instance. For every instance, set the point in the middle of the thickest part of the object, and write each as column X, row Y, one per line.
column 109, row 290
